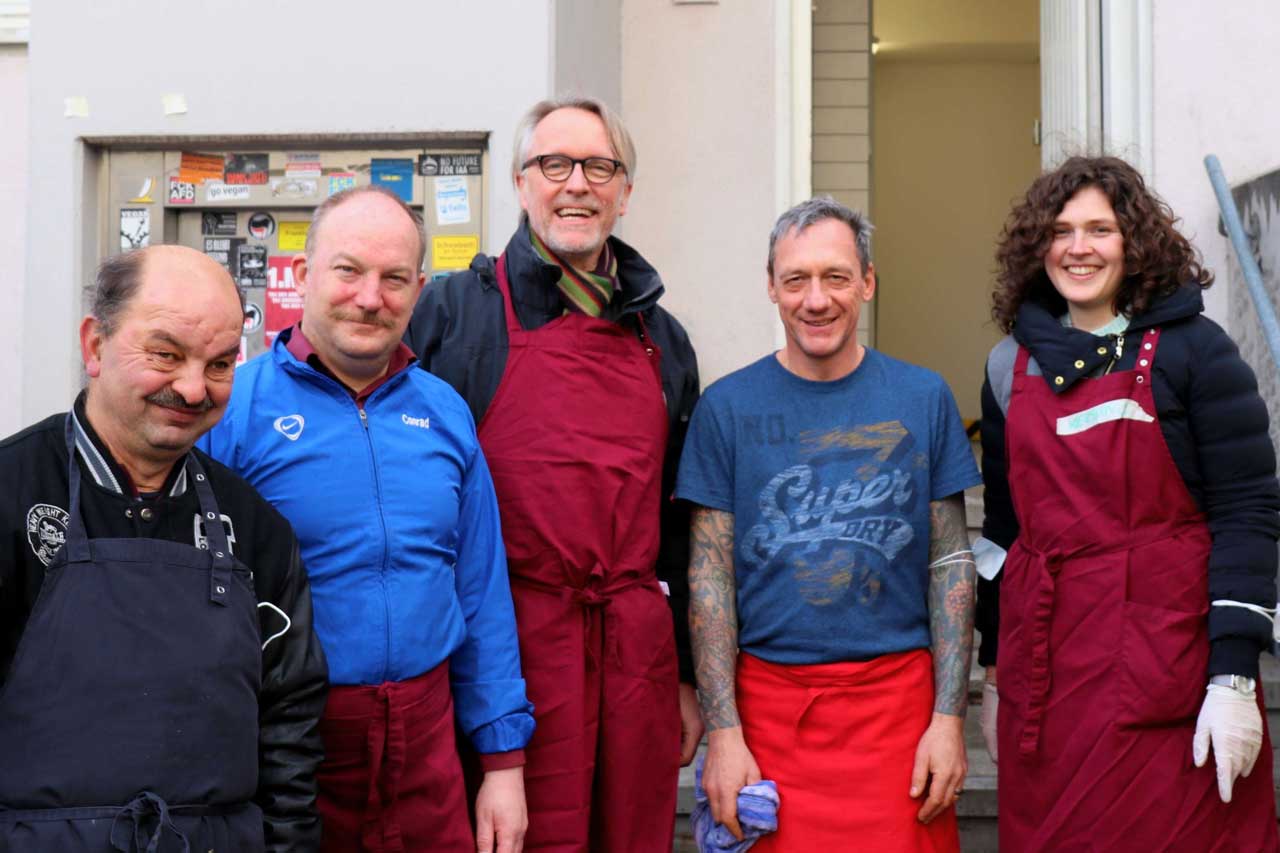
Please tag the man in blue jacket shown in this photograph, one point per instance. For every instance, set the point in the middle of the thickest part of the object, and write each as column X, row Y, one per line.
column 378, row 467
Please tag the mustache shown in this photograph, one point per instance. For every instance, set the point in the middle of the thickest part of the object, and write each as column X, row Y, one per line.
column 369, row 318
column 170, row 399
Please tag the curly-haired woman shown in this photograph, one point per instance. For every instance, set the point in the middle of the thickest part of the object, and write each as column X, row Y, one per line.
column 1130, row 475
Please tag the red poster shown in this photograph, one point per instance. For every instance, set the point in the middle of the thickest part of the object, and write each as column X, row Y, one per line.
column 284, row 303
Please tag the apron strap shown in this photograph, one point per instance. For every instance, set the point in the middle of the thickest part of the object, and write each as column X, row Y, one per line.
column 1020, row 362
column 215, row 534
column 504, row 286
column 1147, row 356
column 77, row 543
column 148, row 816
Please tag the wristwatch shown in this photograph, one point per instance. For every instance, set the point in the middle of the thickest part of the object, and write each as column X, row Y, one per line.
column 1239, row 683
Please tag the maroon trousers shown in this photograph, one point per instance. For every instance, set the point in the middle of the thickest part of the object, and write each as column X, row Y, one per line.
column 391, row 781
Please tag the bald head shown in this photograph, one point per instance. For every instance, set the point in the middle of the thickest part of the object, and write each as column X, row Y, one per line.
column 160, row 354
column 119, row 277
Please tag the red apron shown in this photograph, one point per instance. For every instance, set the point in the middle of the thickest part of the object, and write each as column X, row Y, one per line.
column 391, row 781
column 1104, row 634
column 840, row 740
column 575, row 438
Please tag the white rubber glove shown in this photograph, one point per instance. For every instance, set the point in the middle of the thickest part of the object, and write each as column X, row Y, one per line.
column 990, row 703
column 1231, row 721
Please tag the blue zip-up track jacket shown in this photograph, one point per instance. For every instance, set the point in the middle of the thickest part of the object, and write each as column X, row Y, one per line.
column 395, row 511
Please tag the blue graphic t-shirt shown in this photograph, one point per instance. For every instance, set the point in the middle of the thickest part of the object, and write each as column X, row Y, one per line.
column 829, row 484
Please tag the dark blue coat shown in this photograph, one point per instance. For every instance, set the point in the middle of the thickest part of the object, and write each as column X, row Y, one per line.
column 1216, row 427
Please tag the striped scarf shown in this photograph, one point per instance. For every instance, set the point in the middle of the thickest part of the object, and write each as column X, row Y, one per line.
column 587, row 292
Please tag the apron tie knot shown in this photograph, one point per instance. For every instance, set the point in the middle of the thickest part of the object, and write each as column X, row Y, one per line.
column 148, row 814
column 589, row 598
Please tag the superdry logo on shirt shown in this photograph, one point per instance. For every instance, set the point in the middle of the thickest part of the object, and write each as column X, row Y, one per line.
column 290, row 426
column 839, row 517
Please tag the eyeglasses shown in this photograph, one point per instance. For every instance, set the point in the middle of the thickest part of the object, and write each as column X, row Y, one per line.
column 558, row 167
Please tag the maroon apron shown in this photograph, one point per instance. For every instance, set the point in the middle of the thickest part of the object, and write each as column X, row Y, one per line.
column 391, row 781
column 1104, row 640
column 575, row 438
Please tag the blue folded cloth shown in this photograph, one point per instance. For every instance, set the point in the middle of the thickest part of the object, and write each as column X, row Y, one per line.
column 757, row 815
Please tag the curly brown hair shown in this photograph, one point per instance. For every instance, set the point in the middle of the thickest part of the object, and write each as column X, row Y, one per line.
column 1157, row 259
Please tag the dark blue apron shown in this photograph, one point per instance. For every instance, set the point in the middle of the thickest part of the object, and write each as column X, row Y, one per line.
column 129, row 720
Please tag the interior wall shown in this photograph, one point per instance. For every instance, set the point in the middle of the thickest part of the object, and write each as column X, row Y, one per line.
column 698, row 94
column 13, row 230
column 953, row 148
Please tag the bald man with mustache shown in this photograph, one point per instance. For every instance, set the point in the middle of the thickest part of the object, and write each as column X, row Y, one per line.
column 160, row 683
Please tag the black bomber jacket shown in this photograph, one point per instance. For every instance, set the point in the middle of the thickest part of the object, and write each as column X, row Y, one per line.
column 33, row 518
column 459, row 333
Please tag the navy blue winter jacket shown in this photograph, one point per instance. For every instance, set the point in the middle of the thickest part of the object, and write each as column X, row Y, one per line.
column 1216, row 427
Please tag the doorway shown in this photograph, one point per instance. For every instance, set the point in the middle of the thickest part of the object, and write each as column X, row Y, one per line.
column 955, row 101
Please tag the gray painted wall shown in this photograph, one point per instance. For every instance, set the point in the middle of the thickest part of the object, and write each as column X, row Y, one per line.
column 13, row 229
column 698, row 91
column 587, row 48
column 1258, row 202
column 251, row 67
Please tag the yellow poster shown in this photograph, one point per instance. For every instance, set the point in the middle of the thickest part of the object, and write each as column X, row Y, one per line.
column 293, row 236
column 454, row 251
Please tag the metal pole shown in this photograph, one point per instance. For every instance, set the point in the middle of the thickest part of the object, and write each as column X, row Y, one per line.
column 1249, row 266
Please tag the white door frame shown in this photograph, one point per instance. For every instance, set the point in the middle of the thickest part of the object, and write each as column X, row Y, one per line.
column 1096, row 80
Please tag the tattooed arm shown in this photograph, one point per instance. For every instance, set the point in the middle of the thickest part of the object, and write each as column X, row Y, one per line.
column 940, row 764
column 713, row 630
column 713, row 616
column 952, row 576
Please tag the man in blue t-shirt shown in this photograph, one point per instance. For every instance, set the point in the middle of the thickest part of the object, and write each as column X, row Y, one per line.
column 831, row 579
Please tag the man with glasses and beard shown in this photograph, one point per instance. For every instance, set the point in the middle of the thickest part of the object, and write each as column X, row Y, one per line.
column 582, row 387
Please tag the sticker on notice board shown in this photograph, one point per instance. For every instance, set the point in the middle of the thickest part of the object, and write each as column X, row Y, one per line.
column 261, row 225
column 143, row 195
column 302, row 164
column 293, row 187
column 251, row 266
column 181, row 192
column 219, row 223
column 339, row 181
column 224, row 250
column 284, row 303
column 252, row 316
column 293, row 236
column 454, row 251
column 135, row 228
column 246, row 169
column 198, row 168
column 453, row 207
column 219, row 192
column 430, row 164
column 395, row 174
